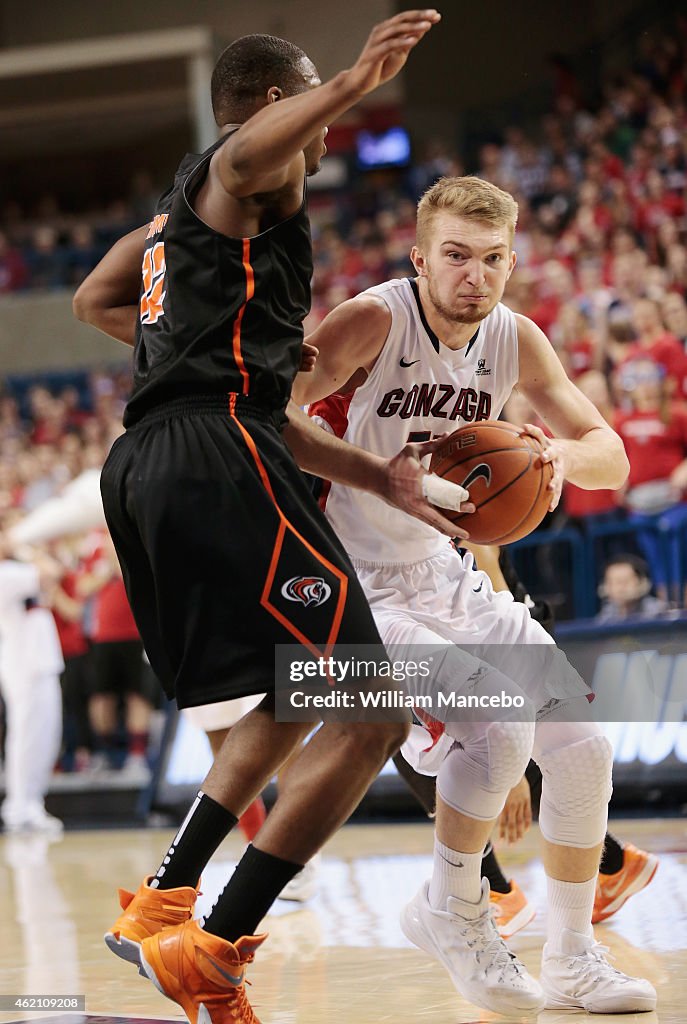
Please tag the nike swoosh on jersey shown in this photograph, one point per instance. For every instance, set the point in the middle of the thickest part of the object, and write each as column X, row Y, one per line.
column 476, row 590
column 405, row 365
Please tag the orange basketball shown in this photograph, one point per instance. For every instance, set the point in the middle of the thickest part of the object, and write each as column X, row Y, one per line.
column 506, row 478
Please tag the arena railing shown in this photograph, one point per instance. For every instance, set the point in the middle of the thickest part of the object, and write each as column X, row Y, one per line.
column 576, row 558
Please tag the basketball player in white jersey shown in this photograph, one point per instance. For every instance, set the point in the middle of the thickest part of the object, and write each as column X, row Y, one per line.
column 412, row 358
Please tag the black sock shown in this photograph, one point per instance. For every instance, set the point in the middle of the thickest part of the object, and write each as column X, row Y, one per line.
column 492, row 871
column 249, row 894
column 612, row 857
column 205, row 826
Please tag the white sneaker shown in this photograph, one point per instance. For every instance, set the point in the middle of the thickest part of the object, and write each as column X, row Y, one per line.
column 99, row 764
column 580, row 977
column 302, row 886
column 35, row 819
column 47, row 823
column 465, row 939
column 135, row 770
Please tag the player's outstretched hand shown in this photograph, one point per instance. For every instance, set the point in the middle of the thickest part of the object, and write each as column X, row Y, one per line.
column 415, row 491
column 309, row 356
column 387, row 48
column 516, row 816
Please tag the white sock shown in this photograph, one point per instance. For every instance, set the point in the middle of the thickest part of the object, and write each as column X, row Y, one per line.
column 454, row 874
column 570, row 906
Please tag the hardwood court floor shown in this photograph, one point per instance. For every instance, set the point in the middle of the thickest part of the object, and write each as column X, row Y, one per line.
column 341, row 959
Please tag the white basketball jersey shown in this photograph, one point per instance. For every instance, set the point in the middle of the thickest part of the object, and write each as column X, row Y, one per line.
column 418, row 388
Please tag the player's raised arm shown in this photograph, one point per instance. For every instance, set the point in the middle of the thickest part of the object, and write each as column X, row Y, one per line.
column 349, row 338
column 108, row 297
column 265, row 154
column 585, row 449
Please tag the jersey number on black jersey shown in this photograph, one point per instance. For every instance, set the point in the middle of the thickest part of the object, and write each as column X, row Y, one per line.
column 154, row 291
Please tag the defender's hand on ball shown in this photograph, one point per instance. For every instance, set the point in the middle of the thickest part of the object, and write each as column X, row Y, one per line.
column 412, row 489
column 554, row 452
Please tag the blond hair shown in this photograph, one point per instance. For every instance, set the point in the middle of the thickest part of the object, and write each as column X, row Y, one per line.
column 468, row 197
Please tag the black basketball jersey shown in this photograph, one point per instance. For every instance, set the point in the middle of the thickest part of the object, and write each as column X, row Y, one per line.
column 218, row 314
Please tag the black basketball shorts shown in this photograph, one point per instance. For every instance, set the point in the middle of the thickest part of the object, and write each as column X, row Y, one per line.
column 224, row 551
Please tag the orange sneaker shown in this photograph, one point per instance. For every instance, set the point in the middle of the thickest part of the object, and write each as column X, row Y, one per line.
column 511, row 910
column 146, row 912
column 612, row 891
column 201, row 972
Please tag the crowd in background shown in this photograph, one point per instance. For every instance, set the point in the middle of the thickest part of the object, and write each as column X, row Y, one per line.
column 48, row 248
column 602, row 269
column 48, row 439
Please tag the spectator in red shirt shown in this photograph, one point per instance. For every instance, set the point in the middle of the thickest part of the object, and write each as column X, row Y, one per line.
column 676, row 267
column 656, row 343
column 574, row 340
column 53, row 425
column 654, row 432
column 40, row 401
column 674, row 310
column 591, row 203
column 660, row 205
column 14, row 273
column 75, row 415
column 117, row 665
column 626, row 275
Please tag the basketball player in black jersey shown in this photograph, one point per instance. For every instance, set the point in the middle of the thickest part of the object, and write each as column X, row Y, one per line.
column 224, row 551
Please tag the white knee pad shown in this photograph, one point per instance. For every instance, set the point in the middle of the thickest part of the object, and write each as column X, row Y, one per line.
column 510, row 748
column 476, row 775
column 575, row 792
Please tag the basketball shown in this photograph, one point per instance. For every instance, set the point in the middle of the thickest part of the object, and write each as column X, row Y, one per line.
column 506, row 478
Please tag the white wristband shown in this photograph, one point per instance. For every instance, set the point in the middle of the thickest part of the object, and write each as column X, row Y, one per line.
column 443, row 493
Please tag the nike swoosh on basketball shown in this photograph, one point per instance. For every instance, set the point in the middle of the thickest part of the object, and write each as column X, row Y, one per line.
column 405, row 365
column 482, row 470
